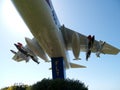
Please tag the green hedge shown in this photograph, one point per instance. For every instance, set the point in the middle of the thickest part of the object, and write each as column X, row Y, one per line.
column 48, row 84
column 59, row 84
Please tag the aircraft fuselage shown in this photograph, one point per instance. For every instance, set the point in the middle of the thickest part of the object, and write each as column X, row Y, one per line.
column 43, row 24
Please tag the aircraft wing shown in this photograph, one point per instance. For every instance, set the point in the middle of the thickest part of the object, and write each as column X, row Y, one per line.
column 68, row 35
column 107, row 49
column 20, row 57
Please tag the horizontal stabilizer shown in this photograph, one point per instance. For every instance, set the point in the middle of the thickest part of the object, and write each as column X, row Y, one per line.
column 77, row 59
column 73, row 65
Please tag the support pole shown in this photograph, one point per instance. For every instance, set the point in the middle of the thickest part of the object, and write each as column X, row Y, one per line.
column 58, row 69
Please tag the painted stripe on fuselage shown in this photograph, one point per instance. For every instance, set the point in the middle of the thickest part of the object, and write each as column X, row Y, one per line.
column 48, row 2
column 55, row 18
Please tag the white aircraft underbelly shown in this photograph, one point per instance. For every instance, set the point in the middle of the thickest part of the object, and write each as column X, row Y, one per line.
column 41, row 23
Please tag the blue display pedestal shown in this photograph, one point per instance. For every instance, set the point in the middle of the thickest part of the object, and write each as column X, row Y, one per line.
column 58, row 70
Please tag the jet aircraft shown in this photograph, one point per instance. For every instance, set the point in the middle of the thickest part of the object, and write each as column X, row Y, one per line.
column 51, row 39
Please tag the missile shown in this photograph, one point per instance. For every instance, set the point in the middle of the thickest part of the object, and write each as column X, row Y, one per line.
column 76, row 46
column 36, row 48
column 13, row 52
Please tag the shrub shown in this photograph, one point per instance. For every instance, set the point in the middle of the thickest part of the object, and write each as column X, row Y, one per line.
column 59, row 84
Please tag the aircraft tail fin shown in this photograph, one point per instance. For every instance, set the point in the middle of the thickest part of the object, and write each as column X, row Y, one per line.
column 73, row 65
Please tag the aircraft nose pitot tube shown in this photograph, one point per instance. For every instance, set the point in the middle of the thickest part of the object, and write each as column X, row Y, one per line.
column 35, row 47
column 76, row 45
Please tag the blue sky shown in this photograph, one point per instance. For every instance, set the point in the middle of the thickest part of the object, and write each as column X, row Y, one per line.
column 96, row 17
